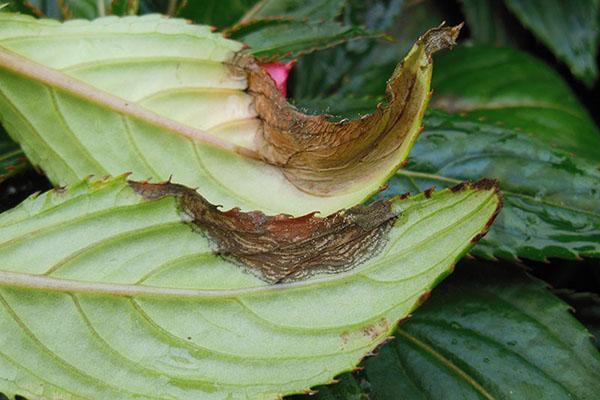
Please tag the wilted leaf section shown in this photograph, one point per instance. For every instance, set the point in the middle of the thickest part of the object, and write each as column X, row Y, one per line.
column 173, row 99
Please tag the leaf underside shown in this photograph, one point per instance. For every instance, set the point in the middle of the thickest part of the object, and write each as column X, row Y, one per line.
column 192, row 324
column 173, row 99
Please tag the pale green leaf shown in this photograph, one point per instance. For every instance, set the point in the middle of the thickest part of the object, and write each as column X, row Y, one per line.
column 162, row 98
column 107, row 295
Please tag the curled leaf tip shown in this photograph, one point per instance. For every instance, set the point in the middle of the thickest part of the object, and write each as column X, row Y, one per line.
column 440, row 38
column 327, row 158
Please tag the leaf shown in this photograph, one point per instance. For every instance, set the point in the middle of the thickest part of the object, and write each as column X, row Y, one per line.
column 355, row 69
column 21, row 6
column 487, row 20
column 511, row 88
column 176, row 100
column 288, row 29
column 515, row 117
column 124, row 7
column 586, row 308
column 273, row 39
column 346, row 387
column 129, row 290
column 319, row 10
column 12, row 159
column 87, row 9
column 569, row 28
column 214, row 12
column 492, row 333
column 552, row 199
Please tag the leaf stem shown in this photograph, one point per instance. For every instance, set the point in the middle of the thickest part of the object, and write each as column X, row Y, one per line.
column 172, row 8
column 101, row 8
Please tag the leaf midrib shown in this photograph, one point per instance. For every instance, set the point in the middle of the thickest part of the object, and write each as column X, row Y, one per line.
column 30, row 281
column 449, row 364
column 57, row 80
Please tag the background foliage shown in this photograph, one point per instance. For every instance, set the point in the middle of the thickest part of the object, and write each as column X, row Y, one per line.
column 515, row 101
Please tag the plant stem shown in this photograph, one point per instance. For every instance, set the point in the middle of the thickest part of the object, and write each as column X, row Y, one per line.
column 101, row 8
column 172, row 8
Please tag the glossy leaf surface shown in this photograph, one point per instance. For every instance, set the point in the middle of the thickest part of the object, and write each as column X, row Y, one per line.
column 571, row 29
column 488, row 333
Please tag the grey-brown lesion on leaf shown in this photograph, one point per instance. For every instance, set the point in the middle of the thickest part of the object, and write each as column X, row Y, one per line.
column 326, row 158
column 283, row 248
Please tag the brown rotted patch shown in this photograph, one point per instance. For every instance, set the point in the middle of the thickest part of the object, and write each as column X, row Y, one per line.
column 376, row 329
column 324, row 157
column 283, row 248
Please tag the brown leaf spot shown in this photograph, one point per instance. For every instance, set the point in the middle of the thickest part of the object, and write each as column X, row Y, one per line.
column 429, row 192
column 377, row 329
column 424, row 297
column 283, row 248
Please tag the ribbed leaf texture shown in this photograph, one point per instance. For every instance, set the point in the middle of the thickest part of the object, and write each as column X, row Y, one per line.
column 489, row 333
column 552, row 200
column 109, row 294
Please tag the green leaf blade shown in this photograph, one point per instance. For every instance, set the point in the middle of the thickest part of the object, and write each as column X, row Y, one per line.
column 489, row 333
column 205, row 323
column 511, row 88
column 551, row 198
column 569, row 29
column 274, row 39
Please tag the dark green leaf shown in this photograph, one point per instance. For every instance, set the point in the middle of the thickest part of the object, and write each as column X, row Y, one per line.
column 214, row 12
column 569, row 28
column 511, row 88
column 586, row 308
column 125, row 7
column 348, row 388
column 22, row 6
column 551, row 199
column 12, row 159
column 86, row 9
column 281, row 38
column 324, row 10
column 355, row 68
column 488, row 333
column 486, row 20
